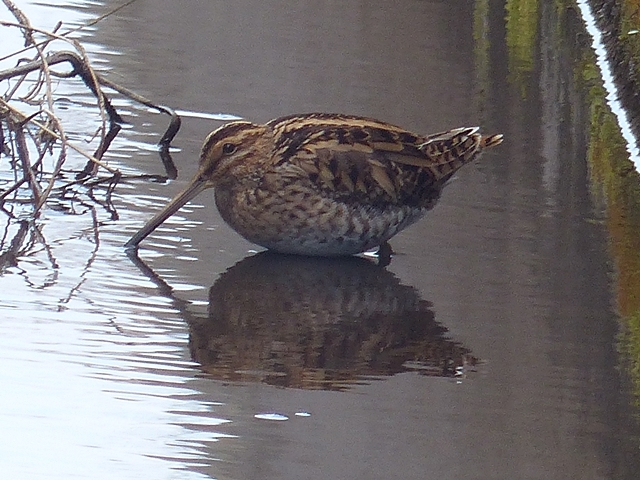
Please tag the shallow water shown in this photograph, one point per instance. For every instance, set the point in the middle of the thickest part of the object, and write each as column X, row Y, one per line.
column 487, row 349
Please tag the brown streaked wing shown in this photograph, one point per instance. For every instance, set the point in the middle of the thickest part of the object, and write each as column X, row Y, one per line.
column 334, row 131
column 363, row 159
column 362, row 177
column 293, row 122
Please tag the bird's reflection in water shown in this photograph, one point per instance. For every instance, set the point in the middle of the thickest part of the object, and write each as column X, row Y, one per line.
column 315, row 323
column 319, row 323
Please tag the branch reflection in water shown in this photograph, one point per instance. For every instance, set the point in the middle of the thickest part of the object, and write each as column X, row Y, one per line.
column 316, row 323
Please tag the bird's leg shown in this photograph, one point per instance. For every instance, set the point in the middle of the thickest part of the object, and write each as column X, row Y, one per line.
column 384, row 254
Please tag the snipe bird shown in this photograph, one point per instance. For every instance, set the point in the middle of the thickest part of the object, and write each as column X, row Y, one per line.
column 324, row 184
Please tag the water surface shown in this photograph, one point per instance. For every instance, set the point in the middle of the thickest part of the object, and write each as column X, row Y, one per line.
column 487, row 349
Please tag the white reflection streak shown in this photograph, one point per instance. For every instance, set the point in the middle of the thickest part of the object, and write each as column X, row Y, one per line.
column 609, row 85
column 220, row 117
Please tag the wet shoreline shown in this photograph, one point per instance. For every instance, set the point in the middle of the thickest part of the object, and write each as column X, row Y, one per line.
column 610, row 17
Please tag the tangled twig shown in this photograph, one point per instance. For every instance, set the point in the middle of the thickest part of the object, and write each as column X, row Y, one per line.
column 25, row 133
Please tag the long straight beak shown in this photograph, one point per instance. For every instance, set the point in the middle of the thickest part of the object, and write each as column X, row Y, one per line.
column 196, row 186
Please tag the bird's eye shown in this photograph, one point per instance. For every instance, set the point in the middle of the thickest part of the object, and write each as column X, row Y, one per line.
column 229, row 148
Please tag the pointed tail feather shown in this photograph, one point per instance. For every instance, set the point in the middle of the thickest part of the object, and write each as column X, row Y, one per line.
column 450, row 150
column 492, row 140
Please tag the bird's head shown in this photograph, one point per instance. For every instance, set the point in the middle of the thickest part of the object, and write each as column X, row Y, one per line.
column 232, row 151
column 229, row 153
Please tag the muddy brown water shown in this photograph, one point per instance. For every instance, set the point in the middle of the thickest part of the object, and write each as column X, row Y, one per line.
column 486, row 350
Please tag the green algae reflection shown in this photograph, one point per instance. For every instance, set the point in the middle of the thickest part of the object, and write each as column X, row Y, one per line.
column 616, row 183
column 522, row 31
